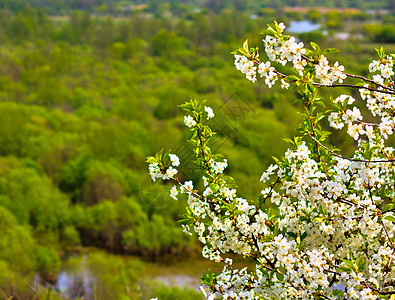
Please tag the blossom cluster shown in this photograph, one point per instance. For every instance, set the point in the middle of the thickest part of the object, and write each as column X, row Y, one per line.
column 246, row 67
column 350, row 117
column 329, row 74
column 156, row 172
column 385, row 67
column 283, row 49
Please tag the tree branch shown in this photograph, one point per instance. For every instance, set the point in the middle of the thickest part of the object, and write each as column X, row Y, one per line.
column 351, row 159
column 391, row 92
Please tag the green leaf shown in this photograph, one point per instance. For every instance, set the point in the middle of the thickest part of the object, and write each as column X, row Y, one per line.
column 315, row 47
column 390, row 218
column 245, row 45
column 272, row 28
column 343, row 269
column 310, row 87
column 192, row 134
column 272, row 213
column 265, row 32
column 330, row 51
column 309, row 52
column 280, row 276
column 187, row 106
column 292, row 78
column 165, row 156
column 288, row 141
column 389, row 206
column 159, row 155
column 244, row 52
column 276, row 160
column 214, row 187
column 380, row 52
column 229, row 180
column 208, row 278
column 151, row 160
column 349, row 264
column 360, row 263
column 297, row 141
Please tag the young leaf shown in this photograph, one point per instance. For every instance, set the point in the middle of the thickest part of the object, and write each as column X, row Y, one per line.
column 330, row 51
column 151, row 160
column 245, row 45
column 315, row 47
column 349, row 264
column 280, row 276
column 390, row 218
column 208, row 278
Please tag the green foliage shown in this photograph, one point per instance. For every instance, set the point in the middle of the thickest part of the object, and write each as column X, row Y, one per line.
column 114, row 277
column 380, row 33
column 208, row 278
column 48, row 261
column 162, row 291
column 162, row 233
column 17, row 245
column 333, row 20
column 13, row 284
column 313, row 15
column 253, row 132
column 117, row 278
column 167, row 44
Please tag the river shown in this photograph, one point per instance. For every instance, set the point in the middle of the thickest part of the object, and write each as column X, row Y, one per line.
column 76, row 278
column 302, row 26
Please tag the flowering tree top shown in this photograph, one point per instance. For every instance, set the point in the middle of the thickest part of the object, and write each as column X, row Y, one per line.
column 323, row 227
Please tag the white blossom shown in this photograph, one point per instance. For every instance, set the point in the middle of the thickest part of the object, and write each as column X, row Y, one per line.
column 174, row 192
column 189, row 121
column 209, row 111
column 175, row 161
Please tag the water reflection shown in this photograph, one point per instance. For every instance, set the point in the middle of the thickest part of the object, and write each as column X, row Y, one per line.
column 187, row 271
column 76, row 285
column 180, row 280
column 78, row 277
column 302, row 26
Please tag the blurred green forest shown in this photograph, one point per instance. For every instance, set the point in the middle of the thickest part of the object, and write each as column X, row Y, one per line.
column 183, row 7
column 83, row 101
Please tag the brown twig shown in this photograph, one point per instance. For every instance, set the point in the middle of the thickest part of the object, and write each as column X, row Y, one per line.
column 368, row 80
column 391, row 92
column 388, row 236
column 352, row 159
